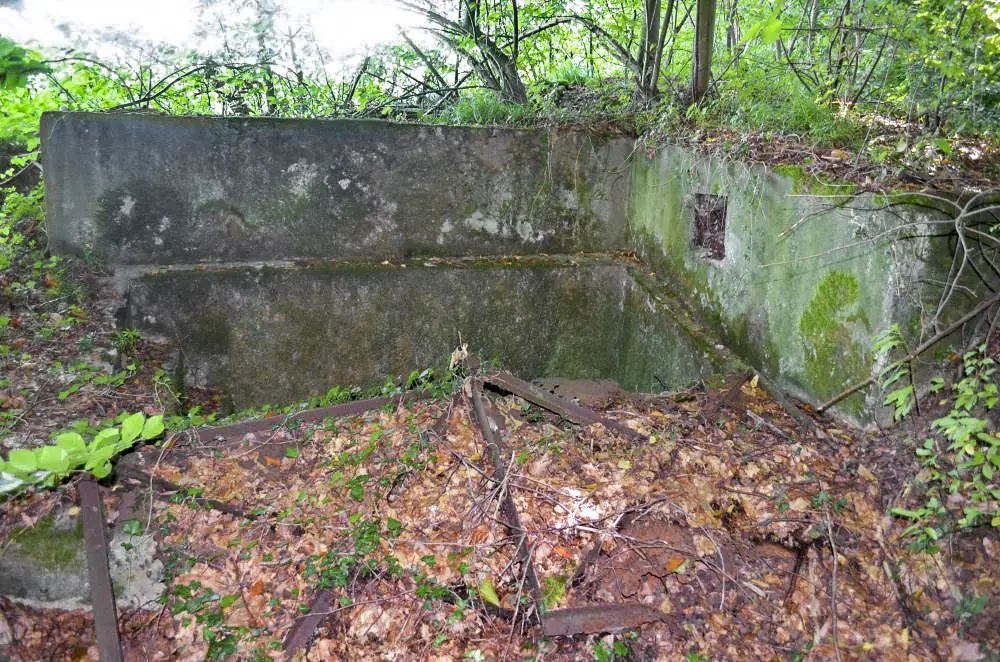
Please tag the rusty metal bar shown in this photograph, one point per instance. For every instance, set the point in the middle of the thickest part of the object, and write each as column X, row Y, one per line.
column 306, row 625
column 102, row 595
column 239, row 430
column 511, row 518
column 565, row 408
column 598, row 618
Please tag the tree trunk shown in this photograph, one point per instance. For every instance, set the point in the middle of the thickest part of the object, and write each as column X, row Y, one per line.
column 813, row 21
column 704, row 36
column 647, row 50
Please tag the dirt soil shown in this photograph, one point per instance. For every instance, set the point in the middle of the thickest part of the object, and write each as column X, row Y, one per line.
column 732, row 531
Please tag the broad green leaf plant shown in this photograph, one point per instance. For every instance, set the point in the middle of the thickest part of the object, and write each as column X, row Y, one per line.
column 961, row 454
column 28, row 469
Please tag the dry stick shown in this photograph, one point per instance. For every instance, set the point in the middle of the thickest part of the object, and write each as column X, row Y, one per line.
column 31, row 164
column 924, row 346
column 135, row 473
column 833, row 586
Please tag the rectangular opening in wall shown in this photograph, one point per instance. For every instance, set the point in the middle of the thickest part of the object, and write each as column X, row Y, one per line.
column 710, row 224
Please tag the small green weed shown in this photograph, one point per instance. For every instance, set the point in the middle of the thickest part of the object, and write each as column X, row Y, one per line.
column 194, row 601
column 960, row 458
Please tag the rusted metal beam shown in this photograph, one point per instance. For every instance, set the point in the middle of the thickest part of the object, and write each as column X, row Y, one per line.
column 565, row 408
column 240, row 430
column 305, row 626
column 598, row 618
column 102, row 595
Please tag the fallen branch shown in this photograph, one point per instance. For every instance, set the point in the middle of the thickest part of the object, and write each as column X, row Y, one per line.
column 924, row 346
column 125, row 470
column 31, row 164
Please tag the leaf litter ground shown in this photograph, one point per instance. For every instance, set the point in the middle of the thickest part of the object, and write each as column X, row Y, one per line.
column 736, row 527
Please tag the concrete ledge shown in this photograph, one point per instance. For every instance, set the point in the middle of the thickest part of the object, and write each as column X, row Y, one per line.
column 278, row 334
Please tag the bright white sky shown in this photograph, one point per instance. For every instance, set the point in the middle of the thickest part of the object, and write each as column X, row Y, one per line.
column 343, row 28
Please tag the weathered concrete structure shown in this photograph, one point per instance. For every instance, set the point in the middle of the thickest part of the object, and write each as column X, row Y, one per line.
column 286, row 256
column 810, row 272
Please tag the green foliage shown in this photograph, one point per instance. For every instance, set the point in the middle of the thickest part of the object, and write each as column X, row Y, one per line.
column 17, row 64
column 750, row 104
column 356, row 556
column 901, row 398
column 18, row 214
column 935, row 60
column 27, row 469
column 961, row 459
column 208, row 609
column 613, row 648
column 949, row 65
column 486, row 107
column 126, row 340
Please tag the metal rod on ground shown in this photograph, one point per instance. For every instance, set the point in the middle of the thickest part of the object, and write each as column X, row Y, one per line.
column 102, row 595
column 511, row 518
column 355, row 408
column 306, row 625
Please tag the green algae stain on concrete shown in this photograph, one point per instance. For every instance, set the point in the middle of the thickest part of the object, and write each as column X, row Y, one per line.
column 45, row 564
column 833, row 357
column 804, row 182
column 54, row 548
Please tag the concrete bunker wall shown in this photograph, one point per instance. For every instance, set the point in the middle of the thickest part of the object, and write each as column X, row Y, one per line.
column 810, row 272
column 284, row 256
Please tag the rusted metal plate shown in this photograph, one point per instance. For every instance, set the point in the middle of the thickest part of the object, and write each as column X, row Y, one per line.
column 102, row 595
column 598, row 618
column 565, row 408
column 305, row 626
column 587, row 392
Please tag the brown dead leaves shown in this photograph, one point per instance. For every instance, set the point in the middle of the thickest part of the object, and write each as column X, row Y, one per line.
column 725, row 522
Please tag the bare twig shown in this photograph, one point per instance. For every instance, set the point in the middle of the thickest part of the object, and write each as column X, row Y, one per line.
column 31, row 164
column 923, row 347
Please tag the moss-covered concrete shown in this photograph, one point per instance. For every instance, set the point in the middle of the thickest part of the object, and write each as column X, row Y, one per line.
column 833, row 355
column 45, row 564
column 809, row 276
column 355, row 252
